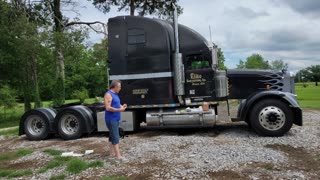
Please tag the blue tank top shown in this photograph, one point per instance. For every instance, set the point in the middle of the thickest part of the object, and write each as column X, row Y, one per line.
column 115, row 103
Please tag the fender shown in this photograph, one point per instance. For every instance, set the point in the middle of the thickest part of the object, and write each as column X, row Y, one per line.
column 289, row 98
column 83, row 111
column 47, row 113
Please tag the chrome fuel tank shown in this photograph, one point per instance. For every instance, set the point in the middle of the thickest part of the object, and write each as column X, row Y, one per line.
column 181, row 118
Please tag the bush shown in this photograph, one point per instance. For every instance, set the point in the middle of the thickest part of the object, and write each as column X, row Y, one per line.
column 80, row 94
column 7, row 98
column 98, row 99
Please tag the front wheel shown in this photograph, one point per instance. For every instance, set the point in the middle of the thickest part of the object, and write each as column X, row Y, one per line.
column 271, row 117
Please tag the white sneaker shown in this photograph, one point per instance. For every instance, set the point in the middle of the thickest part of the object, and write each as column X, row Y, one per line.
column 112, row 157
column 123, row 159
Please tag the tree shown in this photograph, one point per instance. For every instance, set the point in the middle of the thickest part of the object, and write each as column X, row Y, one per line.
column 278, row 65
column 314, row 75
column 255, row 61
column 160, row 8
column 221, row 60
column 81, row 94
column 39, row 62
column 241, row 65
column 302, row 76
column 87, row 69
column 19, row 46
column 100, row 64
column 7, row 98
column 51, row 12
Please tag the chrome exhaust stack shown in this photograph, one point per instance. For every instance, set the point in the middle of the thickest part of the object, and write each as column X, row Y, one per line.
column 220, row 76
column 178, row 67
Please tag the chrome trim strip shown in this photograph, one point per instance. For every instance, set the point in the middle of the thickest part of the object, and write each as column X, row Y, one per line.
column 141, row 76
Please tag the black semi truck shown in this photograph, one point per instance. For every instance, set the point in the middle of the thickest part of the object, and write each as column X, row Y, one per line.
column 168, row 71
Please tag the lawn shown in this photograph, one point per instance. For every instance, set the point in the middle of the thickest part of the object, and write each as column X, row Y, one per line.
column 309, row 96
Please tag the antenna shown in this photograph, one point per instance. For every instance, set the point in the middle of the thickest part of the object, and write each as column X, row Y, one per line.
column 210, row 33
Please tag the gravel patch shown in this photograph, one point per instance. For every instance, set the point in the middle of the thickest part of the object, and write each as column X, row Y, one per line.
column 37, row 157
column 48, row 173
column 201, row 153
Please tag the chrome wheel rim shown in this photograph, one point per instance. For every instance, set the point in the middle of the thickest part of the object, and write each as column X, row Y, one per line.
column 35, row 125
column 69, row 124
column 272, row 118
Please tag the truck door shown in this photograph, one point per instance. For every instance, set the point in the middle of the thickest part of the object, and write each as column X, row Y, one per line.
column 199, row 79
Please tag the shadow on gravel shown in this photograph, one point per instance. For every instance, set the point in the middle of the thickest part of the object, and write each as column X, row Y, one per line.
column 211, row 132
column 234, row 128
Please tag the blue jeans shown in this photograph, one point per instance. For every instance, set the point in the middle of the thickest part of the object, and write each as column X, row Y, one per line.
column 113, row 127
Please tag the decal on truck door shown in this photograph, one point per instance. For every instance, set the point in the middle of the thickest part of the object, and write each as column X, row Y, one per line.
column 196, row 80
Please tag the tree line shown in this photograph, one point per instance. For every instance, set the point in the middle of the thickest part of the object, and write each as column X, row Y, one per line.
column 309, row 74
column 256, row 61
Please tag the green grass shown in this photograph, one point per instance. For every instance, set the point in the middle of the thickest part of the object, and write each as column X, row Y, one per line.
column 58, row 177
column 13, row 174
column 114, row 178
column 52, row 152
column 15, row 154
column 309, row 96
column 94, row 164
column 269, row 166
column 50, row 165
column 11, row 117
column 76, row 165
column 10, row 132
column 23, row 152
column 56, row 162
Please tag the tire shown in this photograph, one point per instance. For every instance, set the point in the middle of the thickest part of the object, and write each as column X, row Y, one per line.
column 36, row 126
column 70, row 125
column 271, row 117
column 249, row 124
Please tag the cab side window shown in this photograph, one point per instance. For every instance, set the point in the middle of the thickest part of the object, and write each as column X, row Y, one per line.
column 197, row 61
column 136, row 36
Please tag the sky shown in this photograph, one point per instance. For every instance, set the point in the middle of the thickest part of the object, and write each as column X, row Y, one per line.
column 276, row 29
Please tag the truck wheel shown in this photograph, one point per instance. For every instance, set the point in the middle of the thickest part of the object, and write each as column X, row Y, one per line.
column 70, row 125
column 36, row 126
column 271, row 117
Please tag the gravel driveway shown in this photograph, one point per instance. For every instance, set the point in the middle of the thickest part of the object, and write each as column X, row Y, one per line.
column 227, row 151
